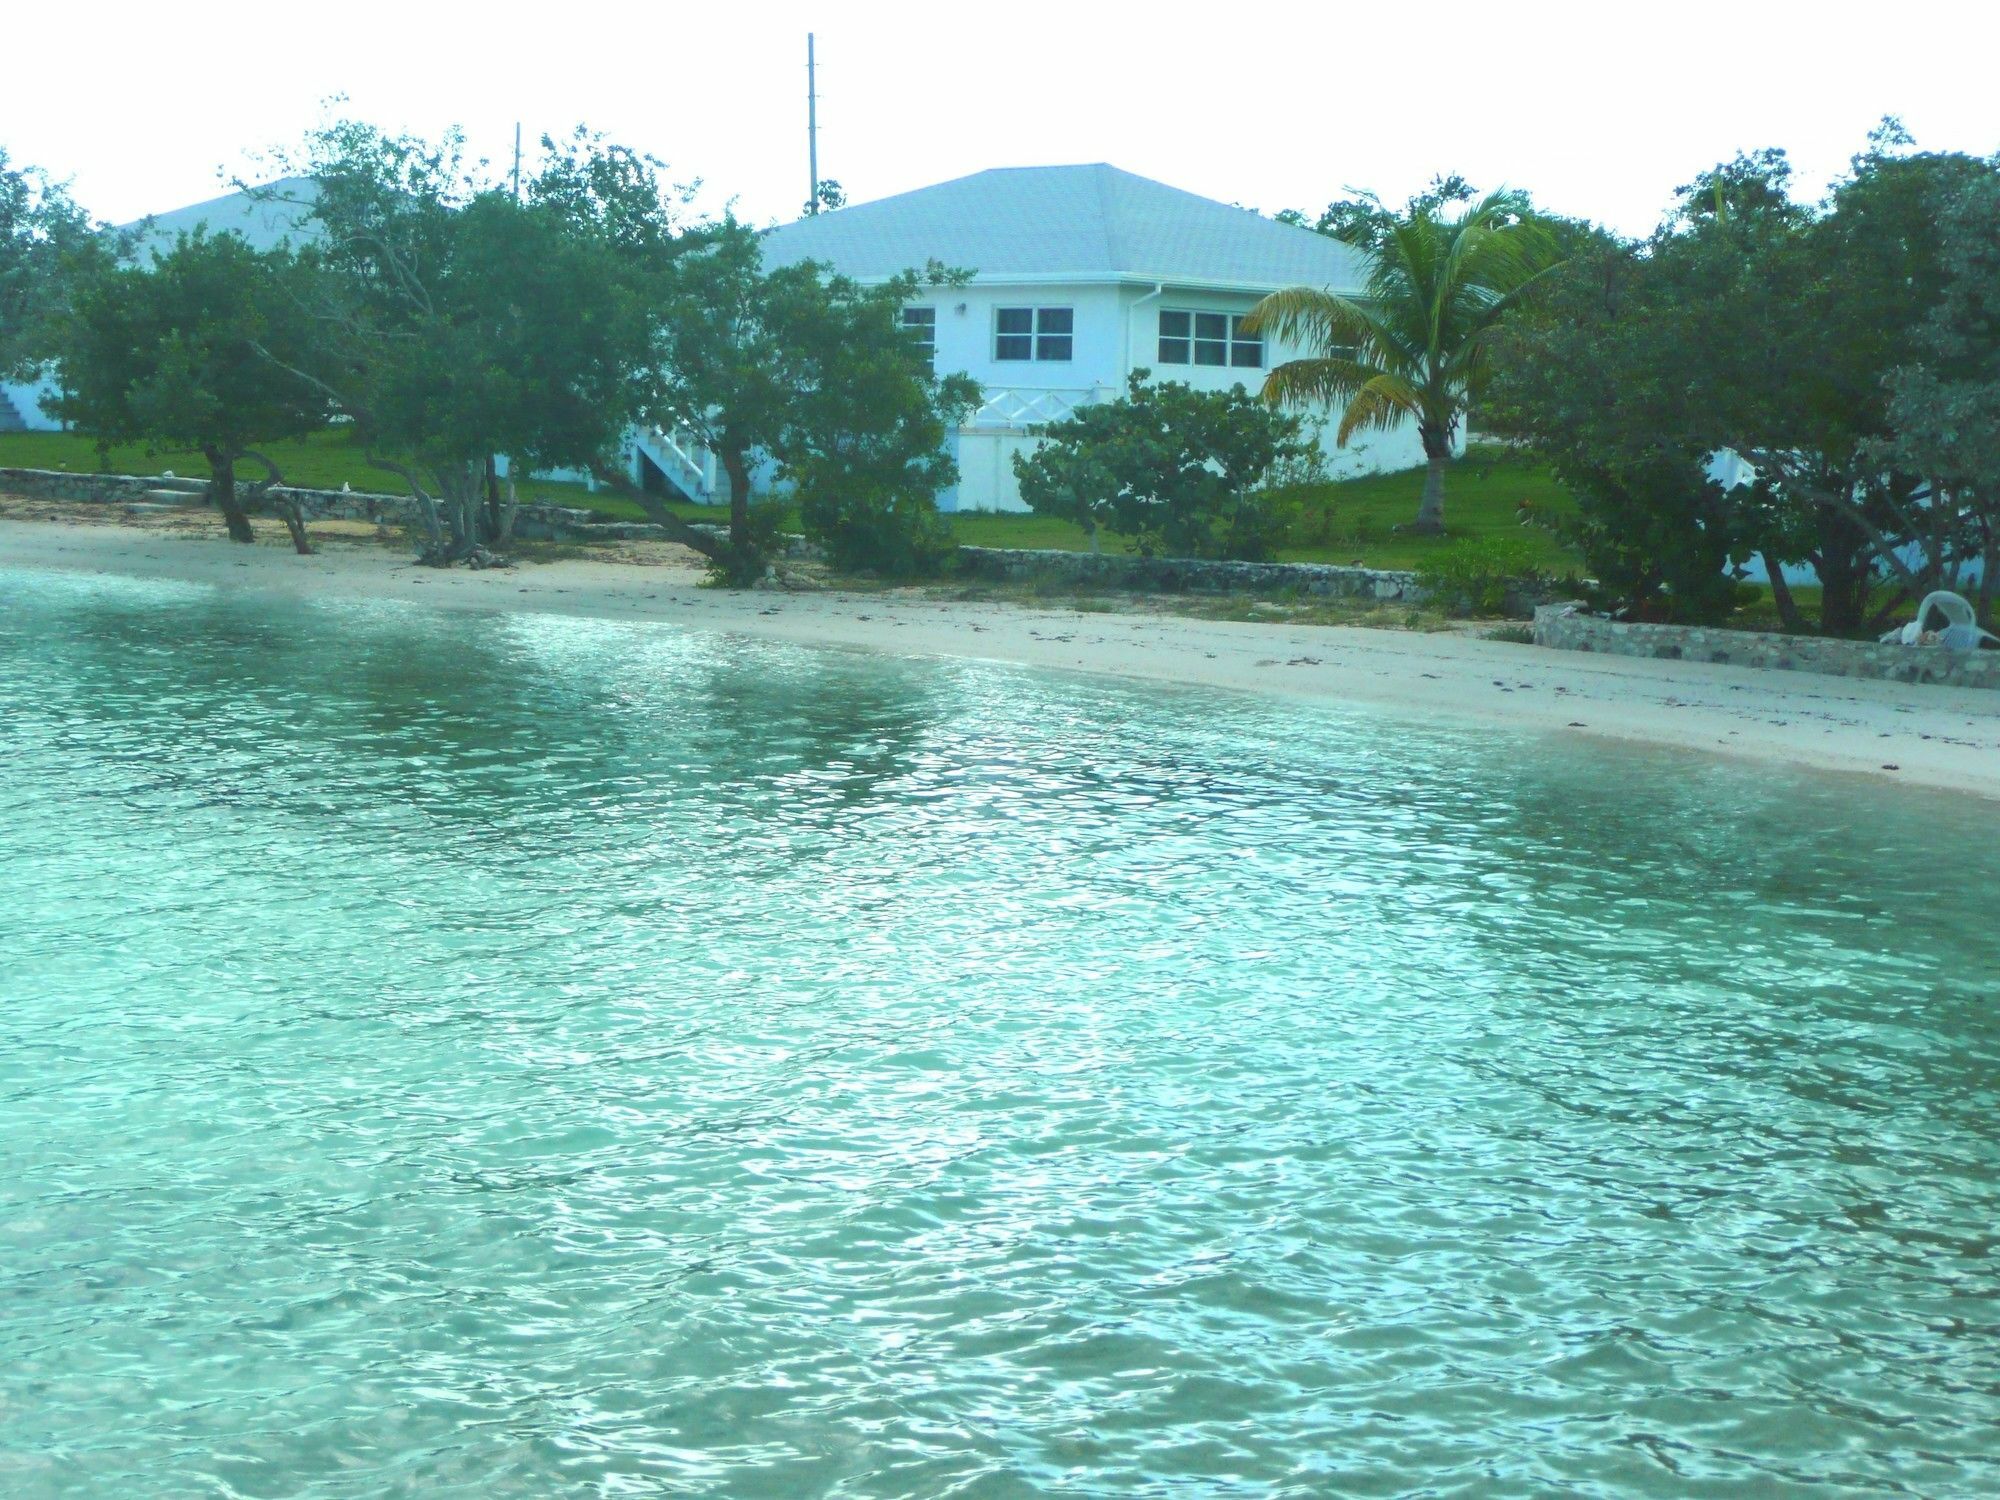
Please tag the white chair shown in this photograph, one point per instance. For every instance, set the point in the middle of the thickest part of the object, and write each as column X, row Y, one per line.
column 1960, row 630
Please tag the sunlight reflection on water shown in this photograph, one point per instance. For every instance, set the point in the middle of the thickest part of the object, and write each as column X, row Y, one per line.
column 456, row 1054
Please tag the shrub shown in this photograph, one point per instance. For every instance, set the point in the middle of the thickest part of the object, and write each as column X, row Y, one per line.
column 1475, row 577
column 1180, row 472
column 872, row 523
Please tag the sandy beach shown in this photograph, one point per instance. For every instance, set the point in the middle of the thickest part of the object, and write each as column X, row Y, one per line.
column 1946, row 738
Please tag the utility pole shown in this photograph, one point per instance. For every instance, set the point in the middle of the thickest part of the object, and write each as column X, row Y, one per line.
column 812, row 127
column 517, row 161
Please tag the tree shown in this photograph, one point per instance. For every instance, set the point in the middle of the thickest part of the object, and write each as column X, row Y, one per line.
column 1363, row 220
column 811, row 373
column 1656, row 530
column 1857, row 284
column 1175, row 469
column 1413, row 347
column 455, row 322
column 865, row 446
column 1754, row 325
column 177, row 356
column 47, row 245
column 1944, row 406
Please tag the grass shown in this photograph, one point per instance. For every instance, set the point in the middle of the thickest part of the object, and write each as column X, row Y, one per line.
column 324, row 461
column 1355, row 520
column 1345, row 521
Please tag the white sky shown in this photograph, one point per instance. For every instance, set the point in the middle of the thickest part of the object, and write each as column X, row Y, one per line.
column 1600, row 109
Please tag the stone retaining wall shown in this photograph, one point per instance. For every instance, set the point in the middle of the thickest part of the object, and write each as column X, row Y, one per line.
column 535, row 521
column 1567, row 628
column 544, row 522
column 1164, row 575
column 314, row 505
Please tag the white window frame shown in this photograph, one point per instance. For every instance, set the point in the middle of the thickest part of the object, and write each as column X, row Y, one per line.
column 925, row 328
column 1233, row 344
column 1040, row 339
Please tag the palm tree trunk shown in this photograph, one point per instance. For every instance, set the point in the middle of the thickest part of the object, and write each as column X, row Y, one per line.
column 1437, row 454
column 1430, row 510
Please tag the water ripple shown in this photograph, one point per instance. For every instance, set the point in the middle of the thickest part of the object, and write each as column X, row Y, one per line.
column 462, row 1055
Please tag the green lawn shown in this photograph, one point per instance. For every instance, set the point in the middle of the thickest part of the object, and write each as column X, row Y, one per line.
column 1354, row 520
column 324, row 461
column 1348, row 521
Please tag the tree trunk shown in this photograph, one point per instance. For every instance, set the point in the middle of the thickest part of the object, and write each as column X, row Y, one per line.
column 492, row 498
column 222, row 490
column 1989, row 580
column 720, row 553
column 295, row 524
column 745, row 563
column 463, row 486
column 420, row 501
column 1437, row 456
column 287, row 505
column 510, row 508
column 736, row 557
column 1845, row 574
column 737, row 465
column 1781, row 595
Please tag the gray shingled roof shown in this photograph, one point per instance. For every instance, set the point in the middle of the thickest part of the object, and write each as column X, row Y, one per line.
column 1086, row 223
column 265, row 225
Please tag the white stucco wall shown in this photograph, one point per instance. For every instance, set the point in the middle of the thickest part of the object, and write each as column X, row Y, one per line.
column 1117, row 331
column 26, row 400
column 966, row 332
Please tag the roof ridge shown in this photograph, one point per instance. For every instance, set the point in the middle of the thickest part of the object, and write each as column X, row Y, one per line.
column 1102, row 179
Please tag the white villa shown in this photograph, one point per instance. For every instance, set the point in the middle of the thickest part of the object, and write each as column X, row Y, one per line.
column 1080, row 275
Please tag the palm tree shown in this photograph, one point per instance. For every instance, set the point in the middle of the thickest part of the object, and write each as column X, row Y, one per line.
column 1413, row 346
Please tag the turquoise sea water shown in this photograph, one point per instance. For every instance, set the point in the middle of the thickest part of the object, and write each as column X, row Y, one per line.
column 455, row 1055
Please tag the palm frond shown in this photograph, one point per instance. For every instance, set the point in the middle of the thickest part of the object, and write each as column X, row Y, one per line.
column 1309, row 315
column 1413, row 344
column 1317, row 382
column 1324, row 321
column 1305, row 382
column 1380, row 405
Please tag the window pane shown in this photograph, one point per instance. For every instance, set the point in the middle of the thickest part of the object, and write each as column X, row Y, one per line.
column 1173, row 351
column 1211, row 325
column 1055, row 320
column 1016, row 320
column 1052, row 346
column 1174, row 325
column 1247, row 354
column 1013, row 346
column 1211, row 352
column 915, row 317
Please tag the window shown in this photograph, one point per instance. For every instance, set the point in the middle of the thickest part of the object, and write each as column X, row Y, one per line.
column 1208, row 338
column 1034, row 332
column 921, row 324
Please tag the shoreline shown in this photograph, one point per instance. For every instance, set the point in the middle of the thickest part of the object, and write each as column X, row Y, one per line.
column 1942, row 738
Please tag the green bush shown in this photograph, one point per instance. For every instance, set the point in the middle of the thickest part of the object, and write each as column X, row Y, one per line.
column 1475, row 577
column 874, row 523
column 1179, row 472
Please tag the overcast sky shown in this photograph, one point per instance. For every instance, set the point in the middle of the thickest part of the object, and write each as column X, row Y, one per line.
column 1599, row 109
